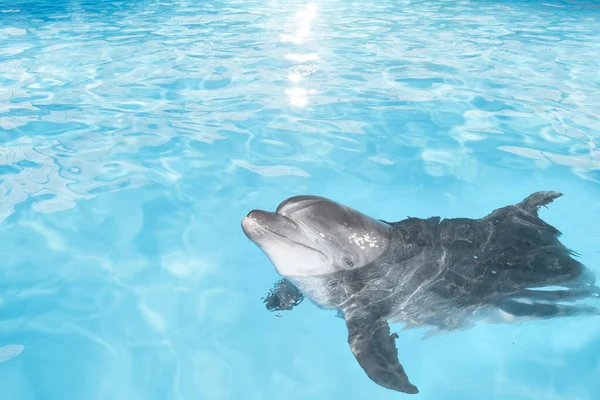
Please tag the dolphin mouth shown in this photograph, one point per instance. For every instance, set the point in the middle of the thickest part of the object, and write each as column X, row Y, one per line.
column 254, row 228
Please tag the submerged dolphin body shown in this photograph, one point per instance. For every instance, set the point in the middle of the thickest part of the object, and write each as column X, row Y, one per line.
column 423, row 272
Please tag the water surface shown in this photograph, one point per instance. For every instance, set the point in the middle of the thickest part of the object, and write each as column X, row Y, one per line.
column 135, row 135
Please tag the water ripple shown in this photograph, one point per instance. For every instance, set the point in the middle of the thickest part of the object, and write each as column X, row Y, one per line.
column 134, row 135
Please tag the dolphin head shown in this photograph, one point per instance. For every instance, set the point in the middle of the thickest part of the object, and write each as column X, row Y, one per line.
column 312, row 236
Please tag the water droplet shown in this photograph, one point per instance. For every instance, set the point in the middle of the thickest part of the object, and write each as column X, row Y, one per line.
column 494, row 272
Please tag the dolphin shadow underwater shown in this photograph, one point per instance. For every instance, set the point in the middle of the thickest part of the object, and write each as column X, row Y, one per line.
column 439, row 273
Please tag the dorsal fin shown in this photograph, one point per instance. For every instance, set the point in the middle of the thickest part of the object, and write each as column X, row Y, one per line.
column 534, row 201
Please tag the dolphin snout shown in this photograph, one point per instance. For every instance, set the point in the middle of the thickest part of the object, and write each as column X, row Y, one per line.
column 259, row 216
column 251, row 221
column 257, row 219
column 261, row 221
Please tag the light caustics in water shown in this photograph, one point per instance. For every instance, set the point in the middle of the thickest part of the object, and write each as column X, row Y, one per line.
column 298, row 95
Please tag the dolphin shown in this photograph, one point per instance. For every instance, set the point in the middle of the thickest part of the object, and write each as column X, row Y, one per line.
column 439, row 273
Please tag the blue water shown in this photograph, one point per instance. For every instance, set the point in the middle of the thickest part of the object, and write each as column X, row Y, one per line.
column 135, row 135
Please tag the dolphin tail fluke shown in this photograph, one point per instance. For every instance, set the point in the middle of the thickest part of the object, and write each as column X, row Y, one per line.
column 375, row 350
column 538, row 199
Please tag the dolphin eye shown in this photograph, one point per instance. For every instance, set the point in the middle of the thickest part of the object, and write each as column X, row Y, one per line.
column 348, row 262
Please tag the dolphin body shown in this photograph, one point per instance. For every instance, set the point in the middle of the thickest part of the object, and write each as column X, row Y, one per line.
column 444, row 274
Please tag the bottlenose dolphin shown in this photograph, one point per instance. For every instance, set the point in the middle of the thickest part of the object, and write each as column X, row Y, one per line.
column 443, row 274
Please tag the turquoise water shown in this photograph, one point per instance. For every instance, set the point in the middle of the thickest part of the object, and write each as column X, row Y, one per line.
column 135, row 135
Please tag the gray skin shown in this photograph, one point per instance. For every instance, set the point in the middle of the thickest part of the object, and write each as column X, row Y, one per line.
column 445, row 274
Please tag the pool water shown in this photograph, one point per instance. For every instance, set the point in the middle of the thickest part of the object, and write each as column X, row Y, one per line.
column 135, row 135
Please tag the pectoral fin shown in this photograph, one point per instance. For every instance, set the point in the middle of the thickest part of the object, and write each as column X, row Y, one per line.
column 375, row 350
column 283, row 296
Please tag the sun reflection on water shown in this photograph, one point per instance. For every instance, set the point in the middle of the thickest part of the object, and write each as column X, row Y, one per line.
column 305, row 18
column 297, row 94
